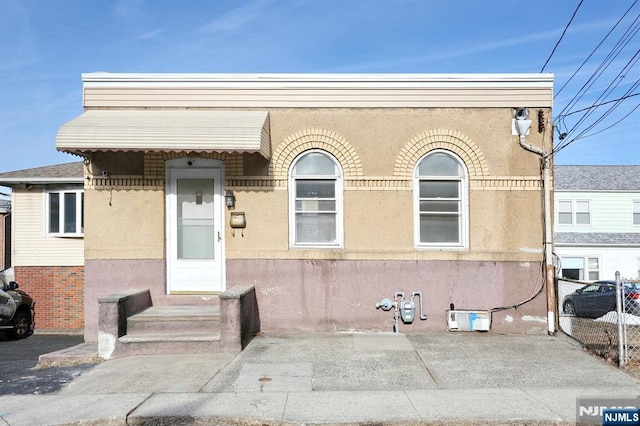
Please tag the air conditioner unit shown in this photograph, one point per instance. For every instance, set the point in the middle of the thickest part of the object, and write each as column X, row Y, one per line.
column 468, row 320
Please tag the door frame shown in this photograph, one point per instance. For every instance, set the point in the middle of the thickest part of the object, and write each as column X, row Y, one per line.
column 195, row 164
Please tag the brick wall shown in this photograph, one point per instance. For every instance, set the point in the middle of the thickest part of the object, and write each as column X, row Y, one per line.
column 59, row 295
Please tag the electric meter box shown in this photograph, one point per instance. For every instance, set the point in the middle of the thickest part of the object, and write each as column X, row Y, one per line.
column 468, row 320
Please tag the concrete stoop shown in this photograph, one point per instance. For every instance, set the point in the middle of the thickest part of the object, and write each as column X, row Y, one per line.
column 171, row 330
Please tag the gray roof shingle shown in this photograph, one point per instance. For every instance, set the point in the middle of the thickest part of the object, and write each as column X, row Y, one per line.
column 597, row 238
column 71, row 172
column 597, row 178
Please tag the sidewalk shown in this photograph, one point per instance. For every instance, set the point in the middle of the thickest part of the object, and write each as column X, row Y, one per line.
column 447, row 378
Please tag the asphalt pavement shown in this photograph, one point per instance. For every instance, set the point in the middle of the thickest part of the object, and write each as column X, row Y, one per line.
column 20, row 372
column 340, row 378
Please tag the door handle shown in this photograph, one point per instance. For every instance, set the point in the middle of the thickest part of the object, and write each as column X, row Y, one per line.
column 219, row 237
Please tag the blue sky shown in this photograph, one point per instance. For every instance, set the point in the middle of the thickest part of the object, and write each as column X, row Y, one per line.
column 45, row 45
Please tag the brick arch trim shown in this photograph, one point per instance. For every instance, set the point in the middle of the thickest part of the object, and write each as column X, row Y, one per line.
column 326, row 140
column 449, row 140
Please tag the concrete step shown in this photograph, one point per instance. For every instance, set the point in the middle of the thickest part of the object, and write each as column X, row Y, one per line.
column 175, row 320
column 167, row 343
column 171, row 329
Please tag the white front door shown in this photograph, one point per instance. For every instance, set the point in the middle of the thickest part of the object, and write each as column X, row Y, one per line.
column 194, row 212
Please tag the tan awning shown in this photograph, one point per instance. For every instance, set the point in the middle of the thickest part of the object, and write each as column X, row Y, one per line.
column 167, row 130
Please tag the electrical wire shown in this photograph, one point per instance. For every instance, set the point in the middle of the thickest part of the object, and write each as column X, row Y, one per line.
column 583, row 127
column 607, row 61
column 594, row 50
column 542, row 275
column 561, row 36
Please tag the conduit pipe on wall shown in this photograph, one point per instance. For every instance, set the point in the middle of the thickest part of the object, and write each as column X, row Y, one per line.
column 522, row 124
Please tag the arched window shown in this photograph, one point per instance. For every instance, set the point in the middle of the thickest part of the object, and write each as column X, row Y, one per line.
column 440, row 201
column 315, row 201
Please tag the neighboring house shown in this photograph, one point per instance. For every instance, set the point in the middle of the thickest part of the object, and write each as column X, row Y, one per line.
column 47, row 242
column 5, row 234
column 597, row 221
column 342, row 190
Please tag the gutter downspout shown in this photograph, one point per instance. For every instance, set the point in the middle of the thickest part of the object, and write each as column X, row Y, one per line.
column 548, row 232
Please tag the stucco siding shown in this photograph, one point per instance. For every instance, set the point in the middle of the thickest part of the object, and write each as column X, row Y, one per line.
column 131, row 221
column 31, row 245
column 335, row 295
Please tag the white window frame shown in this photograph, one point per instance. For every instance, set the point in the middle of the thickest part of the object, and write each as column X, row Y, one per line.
column 339, row 200
column 574, row 212
column 590, row 270
column 586, row 266
column 463, row 199
column 635, row 210
column 79, row 210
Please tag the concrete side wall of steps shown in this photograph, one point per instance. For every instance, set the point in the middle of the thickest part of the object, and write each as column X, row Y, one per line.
column 239, row 320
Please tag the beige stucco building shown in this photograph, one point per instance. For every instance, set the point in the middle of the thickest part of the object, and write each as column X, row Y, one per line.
column 346, row 189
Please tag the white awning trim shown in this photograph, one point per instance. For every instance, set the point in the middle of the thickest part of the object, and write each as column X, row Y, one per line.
column 167, row 130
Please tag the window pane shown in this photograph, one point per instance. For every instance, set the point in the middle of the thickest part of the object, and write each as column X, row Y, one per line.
column 572, row 273
column 564, row 218
column 573, row 262
column 195, row 219
column 564, row 206
column 82, row 212
column 594, row 275
column 315, row 206
column 582, row 206
column 315, row 189
column 636, row 218
column 315, row 164
column 439, row 206
column 439, row 189
column 439, row 229
column 69, row 212
column 315, row 228
column 583, row 218
column 54, row 212
column 439, row 164
column 593, row 263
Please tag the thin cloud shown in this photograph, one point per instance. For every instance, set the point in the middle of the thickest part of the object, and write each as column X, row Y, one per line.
column 150, row 34
column 235, row 19
column 126, row 10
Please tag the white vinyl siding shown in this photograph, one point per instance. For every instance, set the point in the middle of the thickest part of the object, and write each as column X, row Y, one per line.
column 31, row 245
column 104, row 90
column 609, row 211
column 610, row 260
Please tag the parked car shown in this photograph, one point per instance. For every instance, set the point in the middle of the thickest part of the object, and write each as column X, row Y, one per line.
column 17, row 313
column 595, row 300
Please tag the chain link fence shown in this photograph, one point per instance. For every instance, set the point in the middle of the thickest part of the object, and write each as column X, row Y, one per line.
column 606, row 321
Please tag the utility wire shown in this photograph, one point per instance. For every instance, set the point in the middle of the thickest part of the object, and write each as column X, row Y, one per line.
column 594, row 50
column 616, row 50
column 562, row 36
column 598, row 105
